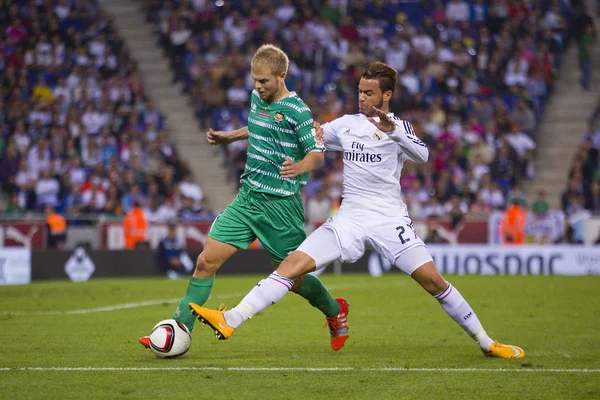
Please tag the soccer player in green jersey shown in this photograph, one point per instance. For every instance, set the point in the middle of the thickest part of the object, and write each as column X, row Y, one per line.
column 282, row 150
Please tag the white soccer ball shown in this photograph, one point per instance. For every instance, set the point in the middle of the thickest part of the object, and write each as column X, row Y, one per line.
column 170, row 339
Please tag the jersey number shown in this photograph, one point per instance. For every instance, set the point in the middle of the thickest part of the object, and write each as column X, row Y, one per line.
column 401, row 230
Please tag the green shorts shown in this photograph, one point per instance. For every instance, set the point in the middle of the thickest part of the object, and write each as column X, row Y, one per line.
column 277, row 222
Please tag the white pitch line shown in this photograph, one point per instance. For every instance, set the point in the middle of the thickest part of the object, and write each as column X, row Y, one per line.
column 169, row 301
column 115, row 307
column 304, row 369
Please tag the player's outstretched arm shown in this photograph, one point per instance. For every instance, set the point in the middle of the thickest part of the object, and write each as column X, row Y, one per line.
column 222, row 137
column 402, row 134
column 311, row 161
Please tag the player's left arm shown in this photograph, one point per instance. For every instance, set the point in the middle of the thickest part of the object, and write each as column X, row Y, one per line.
column 403, row 134
column 311, row 147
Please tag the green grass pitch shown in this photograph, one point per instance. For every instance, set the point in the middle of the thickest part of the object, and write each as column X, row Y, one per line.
column 402, row 345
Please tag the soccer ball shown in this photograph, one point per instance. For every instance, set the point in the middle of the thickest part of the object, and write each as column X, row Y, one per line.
column 170, row 339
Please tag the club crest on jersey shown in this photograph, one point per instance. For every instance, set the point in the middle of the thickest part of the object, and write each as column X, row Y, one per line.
column 278, row 117
column 377, row 136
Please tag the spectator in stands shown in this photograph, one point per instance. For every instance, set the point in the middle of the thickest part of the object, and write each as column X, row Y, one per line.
column 523, row 146
column 592, row 198
column 73, row 97
column 574, row 189
column 479, row 208
column 539, row 227
column 13, row 209
column 171, row 256
column 516, row 41
column 206, row 214
column 9, row 166
column 456, row 210
column 512, row 227
column 593, row 134
column 585, row 56
column 581, row 21
column 191, row 190
column 57, row 229
column 576, row 216
column 189, row 211
column 570, row 236
column 435, row 238
column 135, row 227
column 47, row 190
column 524, row 117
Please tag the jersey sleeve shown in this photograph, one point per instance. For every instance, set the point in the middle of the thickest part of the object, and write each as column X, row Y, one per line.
column 330, row 135
column 305, row 131
column 411, row 145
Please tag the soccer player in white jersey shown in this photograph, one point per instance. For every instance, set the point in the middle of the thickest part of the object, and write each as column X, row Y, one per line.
column 375, row 144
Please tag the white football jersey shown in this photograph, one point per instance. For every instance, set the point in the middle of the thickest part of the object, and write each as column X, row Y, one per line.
column 373, row 161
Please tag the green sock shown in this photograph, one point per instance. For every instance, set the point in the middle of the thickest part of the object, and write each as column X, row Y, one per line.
column 197, row 292
column 318, row 296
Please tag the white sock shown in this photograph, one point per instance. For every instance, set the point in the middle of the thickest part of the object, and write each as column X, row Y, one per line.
column 459, row 310
column 266, row 292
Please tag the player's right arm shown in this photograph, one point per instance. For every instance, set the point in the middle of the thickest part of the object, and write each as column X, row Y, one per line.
column 222, row 137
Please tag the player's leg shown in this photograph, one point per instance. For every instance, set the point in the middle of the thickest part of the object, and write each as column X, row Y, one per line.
column 417, row 262
column 280, row 229
column 272, row 289
column 320, row 248
column 229, row 232
column 213, row 256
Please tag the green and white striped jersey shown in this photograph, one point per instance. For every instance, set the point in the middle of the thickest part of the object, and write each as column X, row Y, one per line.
column 277, row 130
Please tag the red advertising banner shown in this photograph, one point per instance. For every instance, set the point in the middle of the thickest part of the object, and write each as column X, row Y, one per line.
column 192, row 234
column 472, row 232
column 30, row 234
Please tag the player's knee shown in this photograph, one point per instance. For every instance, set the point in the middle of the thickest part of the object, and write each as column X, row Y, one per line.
column 205, row 265
column 295, row 265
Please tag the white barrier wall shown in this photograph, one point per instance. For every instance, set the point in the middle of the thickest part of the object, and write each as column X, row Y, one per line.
column 591, row 230
column 516, row 260
column 15, row 266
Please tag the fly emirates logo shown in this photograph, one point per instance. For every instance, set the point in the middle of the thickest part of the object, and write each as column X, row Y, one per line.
column 358, row 154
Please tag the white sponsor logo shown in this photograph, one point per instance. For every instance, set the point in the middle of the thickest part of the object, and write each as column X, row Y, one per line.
column 79, row 267
column 25, row 239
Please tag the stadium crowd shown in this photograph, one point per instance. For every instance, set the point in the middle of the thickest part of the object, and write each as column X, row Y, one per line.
column 473, row 80
column 581, row 198
column 77, row 132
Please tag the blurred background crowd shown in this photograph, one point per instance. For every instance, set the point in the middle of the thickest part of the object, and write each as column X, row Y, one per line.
column 78, row 133
column 77, row 130
column 473, row 79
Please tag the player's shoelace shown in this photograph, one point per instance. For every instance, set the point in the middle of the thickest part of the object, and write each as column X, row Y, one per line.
column 335, row 325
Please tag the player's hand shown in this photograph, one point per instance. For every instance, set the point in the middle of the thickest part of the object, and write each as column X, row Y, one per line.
column 290, row 169
column 216, row 137
column 385, row 123
column 319, row 134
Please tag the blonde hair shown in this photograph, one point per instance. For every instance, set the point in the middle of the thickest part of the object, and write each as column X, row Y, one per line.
column 271, row 57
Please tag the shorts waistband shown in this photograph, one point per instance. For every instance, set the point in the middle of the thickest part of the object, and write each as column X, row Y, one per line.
column 248, row 193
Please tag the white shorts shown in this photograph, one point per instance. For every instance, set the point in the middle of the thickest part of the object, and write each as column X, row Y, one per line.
column 346, row 236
